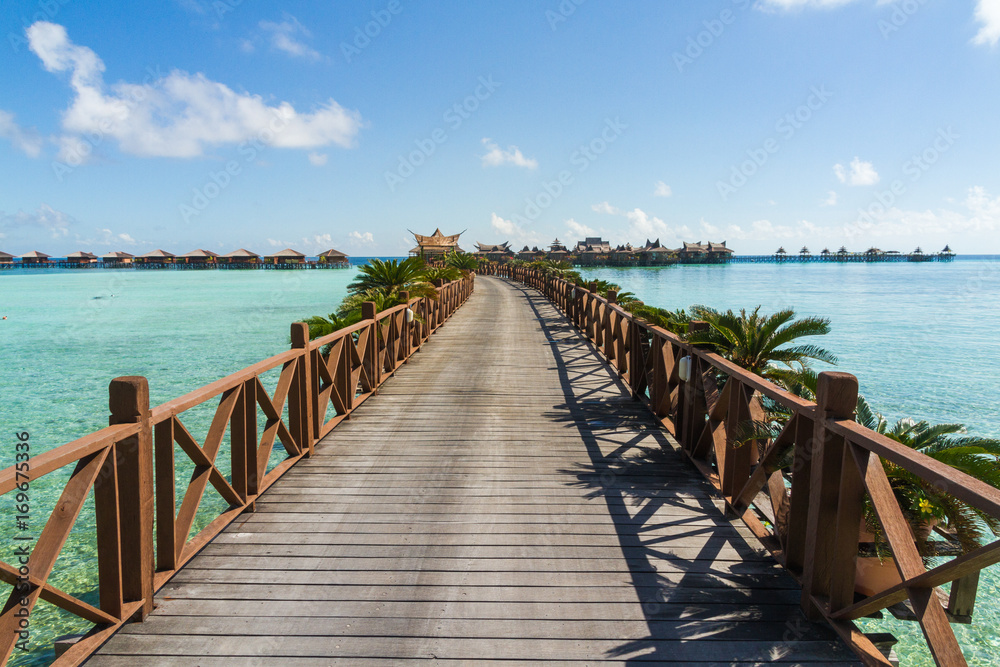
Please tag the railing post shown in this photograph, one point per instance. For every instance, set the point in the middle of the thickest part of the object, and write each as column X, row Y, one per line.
column 406, row 334
column 368, row 312
column 691, row 421
column 128, row 401
column 836, row 398
column 300, row 399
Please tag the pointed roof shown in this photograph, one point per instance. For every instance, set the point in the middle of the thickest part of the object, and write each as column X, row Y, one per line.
column 333, row 253
column 242, row 253
column 437, row 238
column 493, row 247
column 804, row 251
column 34, row 254
column 81, row 255
column 946, row 249
column 157, row 254
column 826, row 251
column 5, row 256
column 287, row 253
column 117, row 254
column 200, row 253
column 842, row 251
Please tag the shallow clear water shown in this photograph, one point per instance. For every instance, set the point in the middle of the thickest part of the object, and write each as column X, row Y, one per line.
column 922, row 338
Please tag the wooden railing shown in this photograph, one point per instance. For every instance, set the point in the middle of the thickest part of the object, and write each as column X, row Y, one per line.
column 809, row 517
column 130, row 464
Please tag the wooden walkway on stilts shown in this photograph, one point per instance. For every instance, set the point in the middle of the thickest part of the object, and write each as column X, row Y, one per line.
column 502, row 500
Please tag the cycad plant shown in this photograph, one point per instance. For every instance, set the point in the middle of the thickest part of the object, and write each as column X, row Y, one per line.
column 462, row 261
column 391, row 277
column 758, row 342
column 923, row 502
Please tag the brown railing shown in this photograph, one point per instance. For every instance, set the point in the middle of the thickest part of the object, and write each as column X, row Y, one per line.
column 809, row 517
column 130, row 465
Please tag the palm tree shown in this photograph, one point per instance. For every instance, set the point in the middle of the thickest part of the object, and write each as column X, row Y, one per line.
column 391, row 277
column 675, row 321
column 462, row 261
column 922, row 501
column 445, row 273
column 757, row 342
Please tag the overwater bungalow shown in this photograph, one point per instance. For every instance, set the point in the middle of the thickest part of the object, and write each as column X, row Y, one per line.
column 241, row 256
column 707, row 252
column 286, row 256
column 199, row 257
column 117, row 257
column 494, row 252
column 592, row 244
column 334, row 258
column 436, row 246
column 81, row 258
column 525, row 254
column 34, row 257
column 805, row 252
column 155, row 257
column 655, row 252
column 558, row 252
column 6, row 258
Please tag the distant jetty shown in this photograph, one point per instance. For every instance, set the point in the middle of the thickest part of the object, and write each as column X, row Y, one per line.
column 161, row 259
column 596, row 252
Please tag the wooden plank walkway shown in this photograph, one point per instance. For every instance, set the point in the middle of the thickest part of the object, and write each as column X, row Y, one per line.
column 502, row 500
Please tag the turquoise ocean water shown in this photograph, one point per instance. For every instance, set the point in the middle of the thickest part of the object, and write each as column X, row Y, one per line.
column 922, row 339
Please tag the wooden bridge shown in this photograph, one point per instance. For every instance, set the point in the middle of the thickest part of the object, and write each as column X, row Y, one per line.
column 508, row 495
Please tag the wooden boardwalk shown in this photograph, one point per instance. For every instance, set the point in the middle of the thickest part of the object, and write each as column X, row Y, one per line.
column 501, row 500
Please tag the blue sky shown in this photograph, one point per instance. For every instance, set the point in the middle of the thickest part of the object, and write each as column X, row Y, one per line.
column 220, row 124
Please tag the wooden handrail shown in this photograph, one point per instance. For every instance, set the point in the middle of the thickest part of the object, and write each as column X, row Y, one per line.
column 808, row 518
column 131, row 462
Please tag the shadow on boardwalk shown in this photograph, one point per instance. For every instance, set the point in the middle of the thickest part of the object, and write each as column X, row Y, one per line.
column 688, row 582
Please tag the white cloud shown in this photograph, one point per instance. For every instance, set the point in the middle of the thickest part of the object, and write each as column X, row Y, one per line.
column 578, row 229
column 512, row 230
column 496, row 156
column 285, row 36
column 641, row 224
column 662, row 190
column 860, row 173
column 24, row 140
column 831, row 199
column 988, row 13
column 317, row 159
column 55, row 223
column 363, row 238
column 181, row 114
